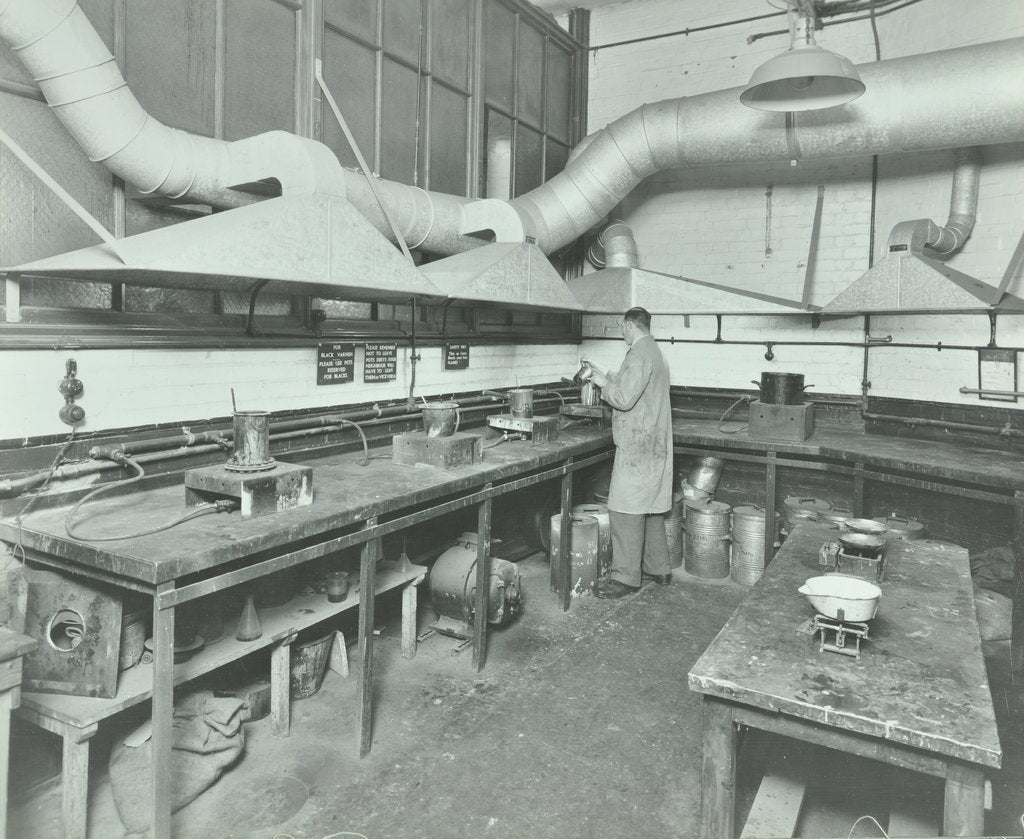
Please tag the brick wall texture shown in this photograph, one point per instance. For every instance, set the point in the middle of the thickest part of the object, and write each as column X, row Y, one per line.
column 712, row 223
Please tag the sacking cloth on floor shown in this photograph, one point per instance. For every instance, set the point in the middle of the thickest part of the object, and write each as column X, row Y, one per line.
column 207, row 738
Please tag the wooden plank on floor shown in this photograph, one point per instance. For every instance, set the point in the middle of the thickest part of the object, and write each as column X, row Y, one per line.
column 777, row 804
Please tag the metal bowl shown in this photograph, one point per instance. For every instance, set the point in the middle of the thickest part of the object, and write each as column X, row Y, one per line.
column 862, row 543
column 865, row 526
column 842, row 598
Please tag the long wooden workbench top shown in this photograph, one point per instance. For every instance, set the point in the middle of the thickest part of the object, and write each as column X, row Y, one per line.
column 957, row 461
column 345, row 493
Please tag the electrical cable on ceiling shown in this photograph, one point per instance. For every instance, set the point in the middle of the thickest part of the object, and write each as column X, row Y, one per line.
column 886, row 8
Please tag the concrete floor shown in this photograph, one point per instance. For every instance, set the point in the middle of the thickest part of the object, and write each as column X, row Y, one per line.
column 581, row 725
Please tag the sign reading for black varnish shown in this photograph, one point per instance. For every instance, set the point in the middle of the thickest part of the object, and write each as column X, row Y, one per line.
column 335, row 364
column 380, row 362
column 456, row 356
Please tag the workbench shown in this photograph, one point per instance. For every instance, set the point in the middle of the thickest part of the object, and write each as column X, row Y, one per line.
column 916, row 697
column 966, row 470
column 353, row 505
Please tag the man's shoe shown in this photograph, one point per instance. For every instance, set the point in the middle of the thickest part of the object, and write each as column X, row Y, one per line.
column 660, row 579
column 613, row 589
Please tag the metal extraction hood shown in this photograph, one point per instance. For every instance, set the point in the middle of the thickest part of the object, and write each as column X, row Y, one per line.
column 614, row 290
column 512, row 274
column 908, row 281
column 302, row 244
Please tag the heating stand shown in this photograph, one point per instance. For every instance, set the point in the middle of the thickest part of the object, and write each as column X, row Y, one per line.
column 458, row 449
column 539, row 429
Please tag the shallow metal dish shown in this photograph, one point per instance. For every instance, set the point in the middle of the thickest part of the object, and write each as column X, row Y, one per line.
column 842, row 598
column 862, row 542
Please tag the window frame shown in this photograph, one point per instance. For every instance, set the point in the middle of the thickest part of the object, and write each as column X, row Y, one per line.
column 43, row 326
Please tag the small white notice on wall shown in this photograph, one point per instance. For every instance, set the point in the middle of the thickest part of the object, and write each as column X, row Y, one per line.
column 997, row 371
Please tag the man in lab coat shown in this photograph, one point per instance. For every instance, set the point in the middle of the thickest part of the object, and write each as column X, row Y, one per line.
column 641, row 487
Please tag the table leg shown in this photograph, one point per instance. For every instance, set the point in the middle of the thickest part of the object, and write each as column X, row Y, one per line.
column 964, row 808
column 280, row 687
column 163, row 711
column 367, row 587
column 8, row 702
column 718, row 776
column 483, row 584
column 409, row 619
column 769, row 509
column 564, row 570
column 75, row 783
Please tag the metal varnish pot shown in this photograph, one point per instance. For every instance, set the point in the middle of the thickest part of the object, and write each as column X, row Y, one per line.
column 797, row 509
column 782, row 388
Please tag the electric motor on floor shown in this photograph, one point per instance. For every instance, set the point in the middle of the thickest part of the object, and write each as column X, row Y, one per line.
column 584, row 552
column 674, row 530
column 706, row 525
column 452, row 585
column 747, row 564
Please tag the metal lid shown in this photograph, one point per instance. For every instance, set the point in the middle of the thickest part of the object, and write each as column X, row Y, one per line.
column 907, row 528
column 808, row 506
column 750, row 512
column 705, row 506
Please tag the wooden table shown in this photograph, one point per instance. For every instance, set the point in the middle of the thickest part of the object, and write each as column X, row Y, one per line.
column 354, row 505
column 13, row 647
column 917, row 697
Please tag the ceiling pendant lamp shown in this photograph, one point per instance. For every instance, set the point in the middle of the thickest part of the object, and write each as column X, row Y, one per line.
column 804, row 78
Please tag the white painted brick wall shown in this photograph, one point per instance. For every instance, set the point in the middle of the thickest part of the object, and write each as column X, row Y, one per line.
column 126, row 388
column 710, row 223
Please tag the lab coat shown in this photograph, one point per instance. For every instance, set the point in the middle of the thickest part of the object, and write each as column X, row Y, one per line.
column 642, row 430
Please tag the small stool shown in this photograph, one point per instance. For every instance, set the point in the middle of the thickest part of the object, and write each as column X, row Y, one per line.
column 13, row 647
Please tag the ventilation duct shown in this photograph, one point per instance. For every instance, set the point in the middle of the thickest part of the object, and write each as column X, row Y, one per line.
column 922, row 102
column 614, row 290
column 910, row 279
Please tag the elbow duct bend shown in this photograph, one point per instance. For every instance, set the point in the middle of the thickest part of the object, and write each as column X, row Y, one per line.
column 963, row 203
column 921, row 102
column 614, row 247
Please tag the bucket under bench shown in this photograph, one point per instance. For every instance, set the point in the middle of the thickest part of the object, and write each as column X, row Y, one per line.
column 354, row 505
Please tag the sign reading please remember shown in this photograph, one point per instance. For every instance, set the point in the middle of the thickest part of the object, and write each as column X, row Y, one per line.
column 380, row 362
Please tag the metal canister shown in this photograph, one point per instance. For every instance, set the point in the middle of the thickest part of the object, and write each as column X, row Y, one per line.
column 674, row 530
column 133, row 637
column 705, row 474
column 520, row 402
column 692, row 493
column 706, row 551
column 604, row 529
column 251, row 439
column 584, row 548
column 747, row 564
column 797, row 509
column 907, row 529
column 837, row 515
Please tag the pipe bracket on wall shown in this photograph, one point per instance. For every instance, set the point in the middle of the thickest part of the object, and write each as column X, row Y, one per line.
column 992, row 330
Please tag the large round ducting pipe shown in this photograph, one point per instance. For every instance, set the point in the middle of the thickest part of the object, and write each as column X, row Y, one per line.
column 930, row 101
column 614, row 247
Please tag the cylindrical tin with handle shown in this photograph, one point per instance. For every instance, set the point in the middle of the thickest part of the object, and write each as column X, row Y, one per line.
column 705, row 474
column 604, row 528
column 584, row 548
column 782, row 388
column 251, row 438
column 674, row 530
column 707, row 527
column 747, row 563
column 797, row 509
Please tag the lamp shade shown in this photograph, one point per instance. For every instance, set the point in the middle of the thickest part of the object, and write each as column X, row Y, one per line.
column 804, row 78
